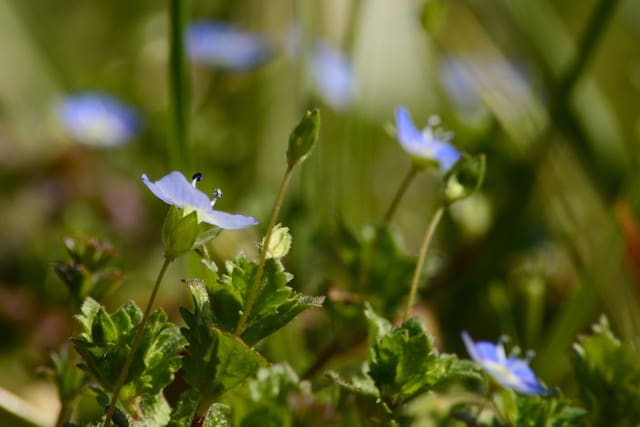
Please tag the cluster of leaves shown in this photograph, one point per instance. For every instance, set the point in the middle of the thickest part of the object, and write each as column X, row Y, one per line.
column 88, row 273
column 608, row 374
column 402, row 365
column 104, row 344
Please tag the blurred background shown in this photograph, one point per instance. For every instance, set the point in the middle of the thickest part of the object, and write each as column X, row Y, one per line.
column 547, row 89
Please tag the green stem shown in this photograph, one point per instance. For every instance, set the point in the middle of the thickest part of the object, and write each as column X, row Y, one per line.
column 386, row 219
column 134, row 344
column 178, row 84
column 421, row 257
column 253, row 292
column 402, row 189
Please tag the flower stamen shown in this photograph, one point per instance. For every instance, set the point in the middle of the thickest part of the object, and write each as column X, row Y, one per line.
column 196, row 178
column 217, row 195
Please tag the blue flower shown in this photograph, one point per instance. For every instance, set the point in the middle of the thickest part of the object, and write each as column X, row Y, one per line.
column 333, row 76
column 511, row 372
column 432, row 144
column 174, row 189
column 222, row 45
column 97, row 119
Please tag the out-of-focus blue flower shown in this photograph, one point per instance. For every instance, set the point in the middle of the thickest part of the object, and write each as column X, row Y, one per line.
column 97, row 119
column 222, row 45
column 511, row 372
column 333, row 76
column 174, row 189
column 431, row 144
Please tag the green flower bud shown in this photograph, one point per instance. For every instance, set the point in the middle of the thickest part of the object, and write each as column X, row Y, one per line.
column 179, row 232
column 464, row 178
column 303, row 138
column 279, row 243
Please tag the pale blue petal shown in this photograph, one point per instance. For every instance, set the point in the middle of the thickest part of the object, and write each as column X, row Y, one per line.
column 98, row 119
column 528, row 383
column 222, row 45
column 333, row 75
column 512, row 373
column 482, row 351
column 471, row 347
column 409, row 136
column 174, row 189
column 447, row 155
column 226, row 220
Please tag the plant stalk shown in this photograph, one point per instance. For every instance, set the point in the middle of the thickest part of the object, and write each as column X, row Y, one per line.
column 134, row 344
column 255, row 287
column 386, row 219
column 178, row 84
column 421, row 257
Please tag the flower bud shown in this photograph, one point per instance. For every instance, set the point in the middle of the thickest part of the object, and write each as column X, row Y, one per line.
column 179, row 232
column 303, row 138
column 464, row 178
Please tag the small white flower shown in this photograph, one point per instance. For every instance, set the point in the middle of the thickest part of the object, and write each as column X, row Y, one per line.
column 174, row 189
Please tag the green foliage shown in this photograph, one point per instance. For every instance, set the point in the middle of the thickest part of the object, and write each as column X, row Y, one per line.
column 88, row 273
column 217, row 361
column 464, row 178
column 105, row 341
column 533, row 411
column 179, row 232
column 68, row 378
column 303, row 138
column 185, row 409
column 274, row 393
column 403, row 364
column 218, row 415
column 608, row 374
column 280, row 242
column 387, row 265
column 275, row 306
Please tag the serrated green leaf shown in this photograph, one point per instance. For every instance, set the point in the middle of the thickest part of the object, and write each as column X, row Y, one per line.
column 185, row 409
column 105, row 343
column 275, row 306
column 103, row 329
column 359, row 384
column 218, row 361
column 403, row 362
column 608, row 374
column 526, row 411
column 218, row 415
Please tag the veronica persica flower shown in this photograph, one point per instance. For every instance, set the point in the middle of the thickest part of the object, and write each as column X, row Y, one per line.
column 429, row 145
column 511, row 372
column 97, row 119
column 222, row 45
column 174, row 189
column 333, row 76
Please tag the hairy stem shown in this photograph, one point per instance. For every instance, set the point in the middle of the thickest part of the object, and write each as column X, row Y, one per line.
column 421, row 257
column 255, row 287
column 134, row 344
